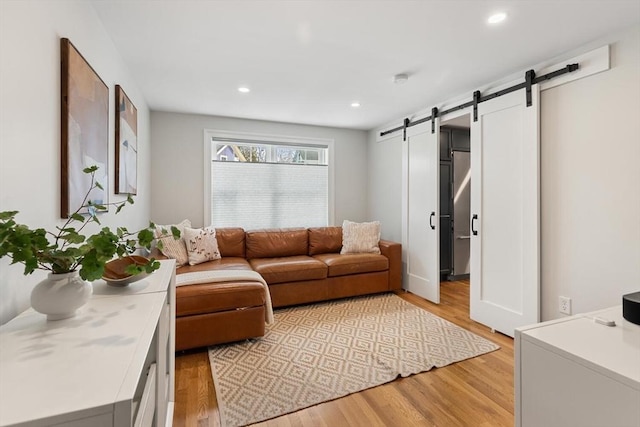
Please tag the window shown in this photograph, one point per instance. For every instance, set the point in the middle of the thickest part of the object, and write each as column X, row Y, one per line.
column 267, row 182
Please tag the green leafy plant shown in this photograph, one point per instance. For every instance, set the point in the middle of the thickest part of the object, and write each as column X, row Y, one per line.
column 67, row 249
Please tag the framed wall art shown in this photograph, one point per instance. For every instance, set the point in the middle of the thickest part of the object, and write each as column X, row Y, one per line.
column 126, row 144
column 84, row 131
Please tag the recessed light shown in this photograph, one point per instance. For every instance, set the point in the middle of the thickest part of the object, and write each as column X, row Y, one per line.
column 244, row 89
column 355, row 104
column 497, row 18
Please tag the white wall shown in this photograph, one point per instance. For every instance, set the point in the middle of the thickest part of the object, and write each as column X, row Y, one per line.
column 30, row 35
column 178, row 168
column 590, row 189
column 590, row 184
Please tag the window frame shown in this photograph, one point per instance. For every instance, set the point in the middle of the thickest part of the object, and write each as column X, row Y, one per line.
column 211, row 134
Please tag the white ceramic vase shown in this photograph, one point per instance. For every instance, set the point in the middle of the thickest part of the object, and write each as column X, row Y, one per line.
column 60, row 295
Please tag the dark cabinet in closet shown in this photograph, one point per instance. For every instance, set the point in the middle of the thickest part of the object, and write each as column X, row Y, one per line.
column 446, row 211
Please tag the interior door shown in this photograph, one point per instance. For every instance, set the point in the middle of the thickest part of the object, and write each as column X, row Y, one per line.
column 505, row 210
column 422, row 236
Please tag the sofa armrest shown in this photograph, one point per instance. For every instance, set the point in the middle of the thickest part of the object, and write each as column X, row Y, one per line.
column 393, row 251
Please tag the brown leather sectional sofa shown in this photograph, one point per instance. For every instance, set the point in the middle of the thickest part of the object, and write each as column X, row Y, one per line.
column 299, row 265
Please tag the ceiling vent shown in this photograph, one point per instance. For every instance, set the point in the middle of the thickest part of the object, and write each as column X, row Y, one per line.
column 400, row 78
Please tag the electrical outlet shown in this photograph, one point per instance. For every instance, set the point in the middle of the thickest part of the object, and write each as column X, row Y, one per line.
column 565, row 305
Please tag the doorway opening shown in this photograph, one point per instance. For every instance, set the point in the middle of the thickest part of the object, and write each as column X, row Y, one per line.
column 455, row 200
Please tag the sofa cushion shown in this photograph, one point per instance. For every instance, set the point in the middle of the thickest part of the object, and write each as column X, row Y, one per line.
column 325, row 240
column 343, row 265
column 215, row 297
column 229, row 263
column 289, row 269
column 273, row 243
column 231, row 241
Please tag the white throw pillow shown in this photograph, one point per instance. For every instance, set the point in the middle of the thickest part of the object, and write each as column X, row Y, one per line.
column 202, row 245
column 358, row 238
column 165, row 230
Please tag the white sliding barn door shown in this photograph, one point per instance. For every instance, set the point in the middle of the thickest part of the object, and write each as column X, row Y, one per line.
column 421, row 226
column 505, row 209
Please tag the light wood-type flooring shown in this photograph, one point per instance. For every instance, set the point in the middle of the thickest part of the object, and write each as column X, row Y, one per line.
column 476, row 392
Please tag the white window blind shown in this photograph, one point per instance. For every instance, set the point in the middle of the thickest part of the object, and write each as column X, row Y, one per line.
column 256, row 195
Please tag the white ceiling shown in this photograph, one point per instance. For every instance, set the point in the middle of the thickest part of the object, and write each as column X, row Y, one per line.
column 306, row 61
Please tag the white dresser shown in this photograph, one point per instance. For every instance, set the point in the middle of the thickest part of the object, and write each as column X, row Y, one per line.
column 110, row 365
column 576, row 372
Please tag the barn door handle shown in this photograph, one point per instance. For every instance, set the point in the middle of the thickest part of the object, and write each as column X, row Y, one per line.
column 433, row 227
column 473, row 230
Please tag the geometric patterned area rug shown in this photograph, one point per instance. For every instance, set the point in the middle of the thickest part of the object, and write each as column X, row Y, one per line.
column 319, row 352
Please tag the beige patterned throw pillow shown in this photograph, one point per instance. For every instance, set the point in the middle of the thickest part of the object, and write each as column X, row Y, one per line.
column 202, row 245
column 171, row 247
column 360, row 237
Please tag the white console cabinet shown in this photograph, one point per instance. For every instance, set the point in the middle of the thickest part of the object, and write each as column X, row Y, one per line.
column 110, row 365
column 576, row 372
